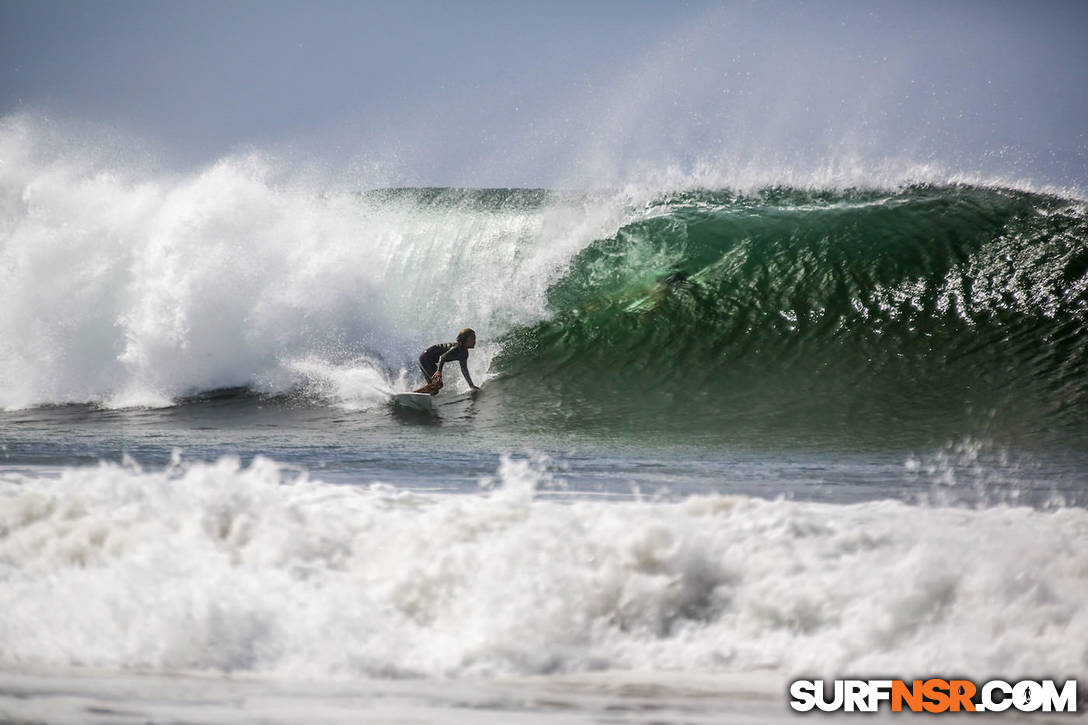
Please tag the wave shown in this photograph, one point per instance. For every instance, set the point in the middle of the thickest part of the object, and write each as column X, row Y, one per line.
column 923, row 313
column 916, row 310
column 219, row 567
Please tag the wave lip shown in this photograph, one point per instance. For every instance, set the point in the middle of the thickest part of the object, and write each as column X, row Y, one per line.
column 219, row 567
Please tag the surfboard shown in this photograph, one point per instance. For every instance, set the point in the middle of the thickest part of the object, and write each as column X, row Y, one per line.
column 424, row 402
column 456, row 398
column 414, row 401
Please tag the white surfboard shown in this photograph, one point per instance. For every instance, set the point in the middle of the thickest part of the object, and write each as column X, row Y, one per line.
column 414, row 401
column 423, row 401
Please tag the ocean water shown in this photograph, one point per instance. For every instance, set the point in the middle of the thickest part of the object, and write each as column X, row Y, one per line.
column 728, row 436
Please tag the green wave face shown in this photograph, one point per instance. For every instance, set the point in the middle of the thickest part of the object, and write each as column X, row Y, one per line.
column 873, row 317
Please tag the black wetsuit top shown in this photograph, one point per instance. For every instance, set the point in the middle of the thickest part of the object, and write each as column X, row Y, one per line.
column 436, row 356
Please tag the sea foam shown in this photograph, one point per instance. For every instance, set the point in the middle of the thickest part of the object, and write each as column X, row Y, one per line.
column 223, row 567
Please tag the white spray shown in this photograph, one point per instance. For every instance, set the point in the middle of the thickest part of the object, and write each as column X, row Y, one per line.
column 131, row 288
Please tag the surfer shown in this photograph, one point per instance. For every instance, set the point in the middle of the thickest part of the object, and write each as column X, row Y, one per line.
column 435, row 356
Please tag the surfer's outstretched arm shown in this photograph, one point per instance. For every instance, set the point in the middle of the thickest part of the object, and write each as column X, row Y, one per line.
column 468, row 378
column 464, row 365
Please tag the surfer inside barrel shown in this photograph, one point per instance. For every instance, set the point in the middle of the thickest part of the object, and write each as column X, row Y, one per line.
column 435, row 356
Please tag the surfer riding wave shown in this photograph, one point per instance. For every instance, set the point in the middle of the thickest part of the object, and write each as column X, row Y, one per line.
column 435, row 356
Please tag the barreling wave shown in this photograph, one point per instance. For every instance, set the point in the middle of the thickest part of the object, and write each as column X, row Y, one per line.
column 930, row 310
column 918, row 312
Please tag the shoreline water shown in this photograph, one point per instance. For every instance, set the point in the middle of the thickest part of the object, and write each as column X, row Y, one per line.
column 630, row 697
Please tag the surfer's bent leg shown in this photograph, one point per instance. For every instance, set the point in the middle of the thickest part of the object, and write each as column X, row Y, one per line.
column 428, row 368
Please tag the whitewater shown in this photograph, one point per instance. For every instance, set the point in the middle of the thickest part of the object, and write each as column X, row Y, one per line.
column 130, row 291
column 733, row 431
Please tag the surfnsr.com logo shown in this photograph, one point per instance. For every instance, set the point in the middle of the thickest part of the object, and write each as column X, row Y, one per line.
column 934, row 695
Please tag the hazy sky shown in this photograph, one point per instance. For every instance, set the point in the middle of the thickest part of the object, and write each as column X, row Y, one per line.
column 521, row 93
